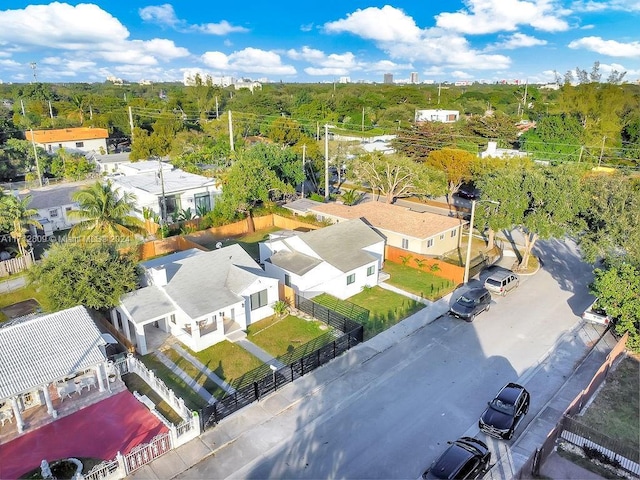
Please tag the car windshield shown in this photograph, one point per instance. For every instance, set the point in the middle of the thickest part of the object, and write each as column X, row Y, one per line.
column 493, row 281
column 501, row 406
column 466, row 301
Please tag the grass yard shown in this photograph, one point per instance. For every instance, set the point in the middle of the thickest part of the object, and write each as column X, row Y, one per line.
column 227, row 360
column 136, row 384
column 249, row 241
column 179, row 387
column 419, row 282
column 616, row 409
column 280, row 336
column 190, row 369
column 386, row 308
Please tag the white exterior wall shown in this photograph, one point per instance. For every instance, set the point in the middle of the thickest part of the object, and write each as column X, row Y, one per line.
column 88, row 145
column 262, row 283
column 58, row 216
column 338, row 287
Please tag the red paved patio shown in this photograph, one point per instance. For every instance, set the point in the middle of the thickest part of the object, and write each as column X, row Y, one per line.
column 118, row 423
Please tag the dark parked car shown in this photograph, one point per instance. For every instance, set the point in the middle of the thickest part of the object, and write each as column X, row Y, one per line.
column 471, row 303
column 505, row 412
column 465, row 458
column 468, row 192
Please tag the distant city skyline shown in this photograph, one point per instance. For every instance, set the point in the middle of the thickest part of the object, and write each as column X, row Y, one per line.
column 415, row 42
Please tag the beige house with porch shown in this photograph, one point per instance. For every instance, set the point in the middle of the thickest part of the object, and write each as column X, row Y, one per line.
column 201, row 298
column 47, row 362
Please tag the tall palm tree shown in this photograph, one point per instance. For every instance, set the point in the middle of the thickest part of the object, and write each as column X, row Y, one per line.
column 16, row 213
column 105, row 214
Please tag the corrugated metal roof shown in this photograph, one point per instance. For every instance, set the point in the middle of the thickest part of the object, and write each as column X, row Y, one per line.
column 39, row 351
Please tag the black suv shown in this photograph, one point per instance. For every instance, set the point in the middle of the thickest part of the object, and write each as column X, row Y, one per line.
column 465, row 458
column 471, row 303
column 505, row 412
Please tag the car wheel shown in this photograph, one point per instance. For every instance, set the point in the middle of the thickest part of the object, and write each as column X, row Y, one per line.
column 470, row 318
column 510, row 436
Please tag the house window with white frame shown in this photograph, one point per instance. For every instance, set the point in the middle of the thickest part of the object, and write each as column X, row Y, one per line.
column 79, row 144
column 351, row 279
column 405, row 243
column 258, row 299
column 442, row 236
column 430, row 243
column 371, row 270
column 453, row 233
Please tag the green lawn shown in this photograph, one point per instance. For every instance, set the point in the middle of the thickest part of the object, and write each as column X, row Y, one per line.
column 191, row 399
column 616, row 409
column 21, row 295
column 137, row 384
column 419, row 282
column 280, row 336
column 227, row 360
column 386, row 308
column 190, row 369
column 249, row 241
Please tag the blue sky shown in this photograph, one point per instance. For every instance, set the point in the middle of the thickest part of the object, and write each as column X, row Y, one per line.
column 317, row 41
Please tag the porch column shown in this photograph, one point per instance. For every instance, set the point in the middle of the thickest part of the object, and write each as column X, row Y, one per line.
column 16, row 413
column 141, row 340
column 114, row 320
column 47, row 398
column 101, row 372
column 126, row 328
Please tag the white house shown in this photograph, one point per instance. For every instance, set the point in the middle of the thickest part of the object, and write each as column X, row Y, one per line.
column 493, row 151
column 80, row 139
column 45, row 359
column 340, row 259
column 198, row 297
column 53, row 203
column 181, row 190
column 444, row 116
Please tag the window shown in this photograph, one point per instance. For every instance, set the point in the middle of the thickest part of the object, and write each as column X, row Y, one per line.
column 430, row 243
column 53, row 213
column 287, row 279
column 172, row 318
column 371, row 270
column 351, row 279
column 202, row 202
column 453, row 233
column 172, row 203
column 79, row 144
column 221, row 314
column 442, row 236
column 258, row 299
column 67, row 209
column 405, row 243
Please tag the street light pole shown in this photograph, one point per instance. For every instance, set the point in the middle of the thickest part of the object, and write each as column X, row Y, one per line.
column 466, row 263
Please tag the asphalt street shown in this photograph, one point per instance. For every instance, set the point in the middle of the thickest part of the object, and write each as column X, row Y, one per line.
column 386, row 409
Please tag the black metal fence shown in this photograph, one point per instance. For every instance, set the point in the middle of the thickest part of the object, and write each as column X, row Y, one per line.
column 300, row 361
column 341, row 314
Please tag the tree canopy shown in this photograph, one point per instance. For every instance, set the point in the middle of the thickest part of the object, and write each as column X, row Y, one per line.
column 95, row 275
column 457, row 165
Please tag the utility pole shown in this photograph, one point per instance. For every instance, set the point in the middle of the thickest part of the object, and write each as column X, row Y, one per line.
column 50, row 110
column 601, row 151
column 163, row 200
column 326, row 162
column 439, row 87
column 217, row 112
column 230, row 132
column 131, row 122
column 363, row 119
column 35, row 154
column 22, row 106
column 33, row 67
column 90, row 113
column 304, row 174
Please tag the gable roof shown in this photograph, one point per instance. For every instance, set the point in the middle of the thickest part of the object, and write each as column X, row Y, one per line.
column 54, row 195
column 198, row 282
column 340, row 245
column 393, row 218
column 43, row 349
column 66, row 134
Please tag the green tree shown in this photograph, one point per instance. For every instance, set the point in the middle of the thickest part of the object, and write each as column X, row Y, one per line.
column 618, row 290
column 609, row 223
column 16, row 214
column 285, row 131
column 497, row 126
column 396, row 176
column 95, row 275
column 457, row 165
column 556, row 137
column 541, row 202
column 105, row 215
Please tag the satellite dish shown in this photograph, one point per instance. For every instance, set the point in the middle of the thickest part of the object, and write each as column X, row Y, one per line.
column 219, row 245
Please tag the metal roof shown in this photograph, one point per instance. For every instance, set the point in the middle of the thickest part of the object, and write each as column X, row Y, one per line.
column 44, row 349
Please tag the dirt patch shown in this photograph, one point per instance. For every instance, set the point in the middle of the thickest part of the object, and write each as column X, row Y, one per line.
column 21, row 308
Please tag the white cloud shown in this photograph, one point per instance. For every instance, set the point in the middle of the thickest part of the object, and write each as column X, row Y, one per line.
column 490, row 16
column 221, row 28
column 306, row 53
column 249, row 60
column 517, row 40
column 160, row 14
column 604, row 5
column 461, row 74
column 396, row 26
column 611, row 48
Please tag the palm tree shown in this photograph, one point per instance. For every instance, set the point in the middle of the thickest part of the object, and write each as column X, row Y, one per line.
column 104, row 214
column 17, row 213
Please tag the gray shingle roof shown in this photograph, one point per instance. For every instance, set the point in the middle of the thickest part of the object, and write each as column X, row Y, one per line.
column 147, row 303
column 41, row 350
column 342, row 244
column 55, row 195
column 294, row 262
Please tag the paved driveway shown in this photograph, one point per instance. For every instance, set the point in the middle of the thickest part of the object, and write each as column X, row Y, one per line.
column 386, row 409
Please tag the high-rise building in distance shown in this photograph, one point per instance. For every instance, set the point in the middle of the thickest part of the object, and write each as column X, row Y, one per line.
column 414, row 77
column 388, row 78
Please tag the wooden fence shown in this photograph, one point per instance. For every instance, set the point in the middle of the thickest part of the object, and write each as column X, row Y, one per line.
column 16, row 265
